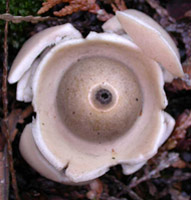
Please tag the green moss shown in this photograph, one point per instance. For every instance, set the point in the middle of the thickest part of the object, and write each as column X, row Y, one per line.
column 22, row 7
column 18, row 33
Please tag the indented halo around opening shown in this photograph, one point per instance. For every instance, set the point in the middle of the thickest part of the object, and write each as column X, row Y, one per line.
column 79, row 101
column 103, row 97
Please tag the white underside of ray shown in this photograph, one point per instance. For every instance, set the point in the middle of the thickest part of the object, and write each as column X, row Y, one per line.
column 36, row 45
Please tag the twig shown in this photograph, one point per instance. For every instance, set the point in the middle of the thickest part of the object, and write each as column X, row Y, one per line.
column 125, row 189
column 5, row 107
column 18, row 19
column 178, row 177
column 17, row 116
column 118, row 5
column 4, row 175
column 164, row 163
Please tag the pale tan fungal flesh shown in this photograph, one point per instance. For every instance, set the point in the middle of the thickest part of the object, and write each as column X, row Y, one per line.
column 24, row 86
column 36, row 44
column 34, row 157
column 158, row 46
column 99, row 102
column 139, row 26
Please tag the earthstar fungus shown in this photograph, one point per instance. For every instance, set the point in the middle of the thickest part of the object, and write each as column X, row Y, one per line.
column 98, row 100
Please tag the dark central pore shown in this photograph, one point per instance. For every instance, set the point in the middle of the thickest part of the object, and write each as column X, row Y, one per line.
column 103, row 96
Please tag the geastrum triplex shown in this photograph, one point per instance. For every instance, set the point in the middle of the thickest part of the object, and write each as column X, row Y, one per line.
column 98, row 100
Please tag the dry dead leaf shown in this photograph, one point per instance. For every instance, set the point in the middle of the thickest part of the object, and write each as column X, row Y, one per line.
column 182, row 124
column 179, row 164
column 17, row 116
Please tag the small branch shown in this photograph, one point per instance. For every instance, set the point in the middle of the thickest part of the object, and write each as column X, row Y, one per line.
column 4, row 175
column 177, row 177
column 18, row 19
column 118, row 5
column 125, row 189
column 165, row 162
column 5, row 129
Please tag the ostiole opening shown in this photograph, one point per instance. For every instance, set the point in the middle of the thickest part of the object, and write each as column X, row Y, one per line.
column 104, row 96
